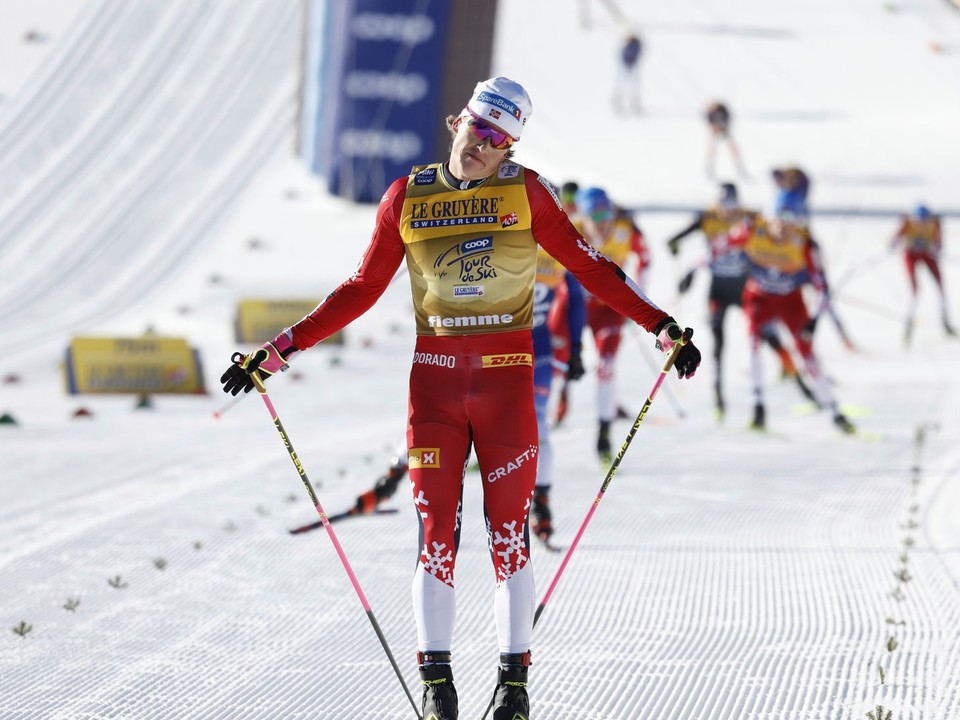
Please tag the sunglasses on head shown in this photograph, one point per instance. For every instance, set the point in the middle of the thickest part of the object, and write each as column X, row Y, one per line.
column 499, row 140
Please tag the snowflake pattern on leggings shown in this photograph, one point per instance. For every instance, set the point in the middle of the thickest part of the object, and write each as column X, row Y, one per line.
column 511, row 548
column 438, row 563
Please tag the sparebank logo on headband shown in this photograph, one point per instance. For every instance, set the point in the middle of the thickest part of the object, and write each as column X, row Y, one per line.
column 499, row 102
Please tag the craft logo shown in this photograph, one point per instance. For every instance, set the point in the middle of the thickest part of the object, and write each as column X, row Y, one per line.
column 471, row 260
column 423, row 458
column 507, row 360
column 508, row 220
column 529, row 455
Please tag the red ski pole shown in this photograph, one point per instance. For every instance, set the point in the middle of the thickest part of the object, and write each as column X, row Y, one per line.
column 671, row 358
column 614, row 466
column 262, row 389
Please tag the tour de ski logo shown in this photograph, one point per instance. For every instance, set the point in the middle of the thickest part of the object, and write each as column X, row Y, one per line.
column 470, row 260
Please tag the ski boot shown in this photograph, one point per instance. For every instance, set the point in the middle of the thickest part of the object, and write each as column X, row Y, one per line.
column 603, row 443
column 840, row 420
column 384, row 488
column 510, row 701
column 759, row 421
column 439, row 694
column 542, row 517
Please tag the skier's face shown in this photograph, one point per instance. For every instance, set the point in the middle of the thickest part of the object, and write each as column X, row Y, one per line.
column 599, row 225
column 473, row 157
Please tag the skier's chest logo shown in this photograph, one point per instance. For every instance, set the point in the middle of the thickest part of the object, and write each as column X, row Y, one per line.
column 470, row 260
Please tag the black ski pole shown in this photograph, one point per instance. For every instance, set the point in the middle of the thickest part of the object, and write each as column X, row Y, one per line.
column 262, row 389
column 614, row 466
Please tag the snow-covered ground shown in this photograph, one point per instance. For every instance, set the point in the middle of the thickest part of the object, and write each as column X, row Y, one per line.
column 799, row 574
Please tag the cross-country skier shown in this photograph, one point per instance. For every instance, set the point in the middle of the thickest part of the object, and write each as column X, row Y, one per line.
column 921, row 239
column 793, row 190
column 551, row 278
column 615, row 235
column 468, row 229
column 729, row 268
column 718, row 123
column 781, row 263
column 626, row 87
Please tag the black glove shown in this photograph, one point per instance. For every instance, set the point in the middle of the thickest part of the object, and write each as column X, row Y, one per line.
column 685, row 282
column 808, row 329
column 575, row 369
column 669, row 335
column 673, row 245
column 688, row 359
column 269, row 358
column 236, row 378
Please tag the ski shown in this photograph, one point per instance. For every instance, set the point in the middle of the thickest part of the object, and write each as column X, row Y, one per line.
column 549, row 545
column 352, row 512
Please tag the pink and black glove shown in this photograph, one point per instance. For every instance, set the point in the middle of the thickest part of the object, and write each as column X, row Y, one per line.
column 269, row 359
column 688, row 357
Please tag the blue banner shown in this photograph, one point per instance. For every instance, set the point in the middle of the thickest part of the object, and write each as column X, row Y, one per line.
column 382, row 71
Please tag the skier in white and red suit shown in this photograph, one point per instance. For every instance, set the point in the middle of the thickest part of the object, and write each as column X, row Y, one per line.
column 468, row 229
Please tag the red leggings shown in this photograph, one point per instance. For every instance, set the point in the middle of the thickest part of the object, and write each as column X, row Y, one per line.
column 473, row 390
column 762, row 308
column 911, row 260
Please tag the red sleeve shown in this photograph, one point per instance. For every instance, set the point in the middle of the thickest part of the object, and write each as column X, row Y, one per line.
column 371, row 278
column 554, row 233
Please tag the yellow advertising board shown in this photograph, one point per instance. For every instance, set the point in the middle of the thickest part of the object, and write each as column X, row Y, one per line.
column 137, row 365
column 259, row 320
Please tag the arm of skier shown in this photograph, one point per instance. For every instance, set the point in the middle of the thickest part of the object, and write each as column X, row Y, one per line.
column 350, row 300
column 673, row 244
column 600, row 276
column 362, row 290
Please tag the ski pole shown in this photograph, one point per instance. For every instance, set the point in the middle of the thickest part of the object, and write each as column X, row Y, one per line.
column 614, row 466
column 217, row 414
column 262, row 389
column 651, row 363
column 671, row 358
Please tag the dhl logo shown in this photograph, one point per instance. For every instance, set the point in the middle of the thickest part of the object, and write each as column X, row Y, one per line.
column 507, row 360
column 423, row 458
